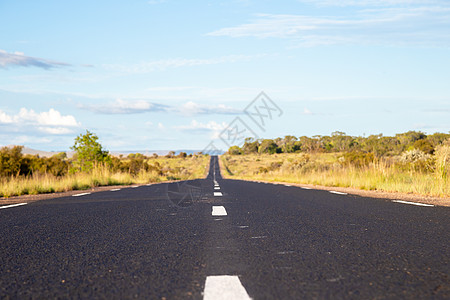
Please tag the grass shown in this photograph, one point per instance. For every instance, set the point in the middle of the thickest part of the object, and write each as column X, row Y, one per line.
column 326, row 169
column 171, row 169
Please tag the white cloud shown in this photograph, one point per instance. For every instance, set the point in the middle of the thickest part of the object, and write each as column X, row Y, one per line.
column 161, row 126
column 19, row 59
column 156, row 1
column 125, row 107
column 4, row 118
column 55, row 130
column 192, row 108
column 51, row 118
column 164, row 64
column 50, row 122
column 396, row 25
column 307, row 112
column 370, row 2
column 198, row 127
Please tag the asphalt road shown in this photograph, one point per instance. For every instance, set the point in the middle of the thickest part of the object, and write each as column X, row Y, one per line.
column 174, row 241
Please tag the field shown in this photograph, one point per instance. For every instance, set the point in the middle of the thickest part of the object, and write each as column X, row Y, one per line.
column 329, row 169
column 161, row 169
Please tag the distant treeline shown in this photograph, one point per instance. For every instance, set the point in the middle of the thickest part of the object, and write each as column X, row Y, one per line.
column 376, row 145
column 14, row 163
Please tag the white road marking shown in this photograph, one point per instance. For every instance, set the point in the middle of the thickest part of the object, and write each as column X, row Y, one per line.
column 82, row 194
column 219, row 211
column 305, row 188
column 413, row 203
column 224, row 287
column 287, row 185
column 259, row 237
column 217, row 187
column 338, row 193
column 114, row 190
column 218, row 194
column 134, row 186
column 12, row 205
column 243, row 226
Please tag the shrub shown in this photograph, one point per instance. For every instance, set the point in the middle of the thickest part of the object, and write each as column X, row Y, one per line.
column 357, row 158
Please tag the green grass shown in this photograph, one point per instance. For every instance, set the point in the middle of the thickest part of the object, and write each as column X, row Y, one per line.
column 172, row 168
column 326, row 169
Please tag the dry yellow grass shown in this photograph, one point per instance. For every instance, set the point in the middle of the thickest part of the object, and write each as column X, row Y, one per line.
column 174, row 168
column 326, row 170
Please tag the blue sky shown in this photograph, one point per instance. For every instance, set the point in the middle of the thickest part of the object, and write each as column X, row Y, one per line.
column 168, row 74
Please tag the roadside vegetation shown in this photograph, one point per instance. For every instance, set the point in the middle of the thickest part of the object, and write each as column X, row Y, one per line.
column 411, row 162
column 91, row 166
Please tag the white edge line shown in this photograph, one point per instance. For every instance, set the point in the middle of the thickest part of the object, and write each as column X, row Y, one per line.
column 305, row 188
column 12, row 205
column 413, row 203
column 224, row 287
column 338, row 193
column 114, row 190
column 82, row 194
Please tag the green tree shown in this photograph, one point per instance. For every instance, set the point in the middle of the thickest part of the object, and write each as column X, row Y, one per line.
column 234, row 150
column 268, row 146
column 10, row 160
column 88, row 152
column 250, row 146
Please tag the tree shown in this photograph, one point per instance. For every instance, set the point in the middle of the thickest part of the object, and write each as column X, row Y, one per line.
column 268, row 146
column 88, row 152
column 234, row 150
column 10, row 160
column 250, row 146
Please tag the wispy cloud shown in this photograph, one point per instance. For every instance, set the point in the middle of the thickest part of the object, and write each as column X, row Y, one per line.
column 195, row 127
column 370, row 2
column 120, row 106
column 192, row 108
column 153, row 2
column 20, row 59
column 391, row 25
column 164, row 64
column 50, row 122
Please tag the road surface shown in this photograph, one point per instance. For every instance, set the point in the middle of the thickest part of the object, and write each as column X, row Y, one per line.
column 212, row 238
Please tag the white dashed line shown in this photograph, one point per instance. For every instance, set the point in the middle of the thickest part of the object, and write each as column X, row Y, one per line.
column 287, row 185
column 12, row 205
column 224, row 287
column 114, row 190
column 305, row 188
column 134, row 186
column 219, row 211
column 82, row 194
column 413, row 203
column 338, row 193
column 217, row 187
column 218, row 194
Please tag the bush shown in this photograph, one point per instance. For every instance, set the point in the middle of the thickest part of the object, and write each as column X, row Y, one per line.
column 357, row 158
